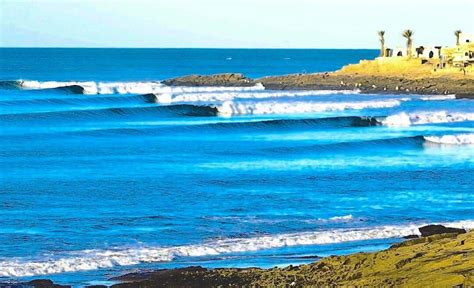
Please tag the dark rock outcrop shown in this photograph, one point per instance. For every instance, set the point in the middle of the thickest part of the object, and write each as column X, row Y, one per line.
column 192, row 277
column 429, row 230
column 227, row 80
column 463, row 88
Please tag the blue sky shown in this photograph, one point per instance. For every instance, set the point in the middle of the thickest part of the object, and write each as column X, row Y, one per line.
column 230, row 23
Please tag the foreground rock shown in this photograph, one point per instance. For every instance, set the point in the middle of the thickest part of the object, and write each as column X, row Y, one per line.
column 430, row 230
column 442, row 260
column 39, row 283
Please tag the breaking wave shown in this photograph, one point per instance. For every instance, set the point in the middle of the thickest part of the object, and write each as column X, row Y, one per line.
column 106, row 113
column 230, row 108
column 404, row 119
column 97, row 259
column 91, row 87
column 460, row 139
column 341, row 218
column 231, row 95
column 438, row 97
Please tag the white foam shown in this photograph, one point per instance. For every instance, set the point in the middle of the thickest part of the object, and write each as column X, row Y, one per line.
column 298, row 107
column 96, row 259
column 156, row 87
column 438, row 97
column 231, row 95
column 460, row 139
column 341, row 218
column 403, row 119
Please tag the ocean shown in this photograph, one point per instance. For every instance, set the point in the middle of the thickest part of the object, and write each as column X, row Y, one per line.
column 104, row 170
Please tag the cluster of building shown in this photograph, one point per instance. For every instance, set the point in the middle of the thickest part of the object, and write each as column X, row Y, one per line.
column 460, row 55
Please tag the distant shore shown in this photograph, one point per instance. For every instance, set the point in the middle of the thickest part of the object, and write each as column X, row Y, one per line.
column 461, row 87
column 381, row 75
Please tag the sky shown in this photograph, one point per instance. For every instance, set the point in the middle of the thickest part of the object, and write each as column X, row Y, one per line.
column 230, row 23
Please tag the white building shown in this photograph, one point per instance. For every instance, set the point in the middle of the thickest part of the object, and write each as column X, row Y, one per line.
column 430, row 52
column 399, row 52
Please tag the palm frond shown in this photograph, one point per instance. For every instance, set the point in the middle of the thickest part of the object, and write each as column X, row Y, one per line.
column 408, row 33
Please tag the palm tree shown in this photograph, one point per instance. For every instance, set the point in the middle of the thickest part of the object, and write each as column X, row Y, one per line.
column 382, row 42
column 457, row 33
column 408, row 34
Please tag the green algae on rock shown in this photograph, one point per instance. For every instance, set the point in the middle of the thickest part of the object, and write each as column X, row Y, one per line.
column 442, row 260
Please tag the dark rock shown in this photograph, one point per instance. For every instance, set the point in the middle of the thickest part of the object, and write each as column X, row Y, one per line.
column 439, row 229
column 227, row 80
column 464, row 96
column 14, row 285
column 462, row 88
column 411, row 237
column 44, row 283
column 190, row 277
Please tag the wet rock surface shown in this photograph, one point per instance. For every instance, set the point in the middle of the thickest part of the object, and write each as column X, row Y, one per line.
column 446, row 259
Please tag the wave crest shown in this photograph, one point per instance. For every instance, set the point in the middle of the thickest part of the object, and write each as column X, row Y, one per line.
column 404, row 119
column 231, row 95
column 96, row 259
column 230, row 108
column 91, row 87
column 460, row 139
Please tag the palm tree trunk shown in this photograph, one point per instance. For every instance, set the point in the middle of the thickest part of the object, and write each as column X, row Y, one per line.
column 409, row 48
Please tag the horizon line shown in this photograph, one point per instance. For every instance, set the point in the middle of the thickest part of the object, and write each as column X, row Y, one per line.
column 220, row 48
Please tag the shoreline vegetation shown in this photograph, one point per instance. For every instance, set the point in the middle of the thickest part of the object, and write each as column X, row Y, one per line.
column 440, row 257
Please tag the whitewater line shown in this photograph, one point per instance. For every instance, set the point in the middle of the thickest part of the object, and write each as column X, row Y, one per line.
column 97, row 259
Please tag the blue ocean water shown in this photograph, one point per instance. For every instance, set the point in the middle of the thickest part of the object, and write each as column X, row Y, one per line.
column 134, row 174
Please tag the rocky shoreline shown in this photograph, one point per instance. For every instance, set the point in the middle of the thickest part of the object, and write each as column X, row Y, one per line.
column 441, row 257
column 442, row 85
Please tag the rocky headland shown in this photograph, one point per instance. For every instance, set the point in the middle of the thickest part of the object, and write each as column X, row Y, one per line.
column 441, row 257
column 405, row 76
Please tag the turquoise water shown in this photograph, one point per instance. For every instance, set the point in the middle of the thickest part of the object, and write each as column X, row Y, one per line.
column 98, row 184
